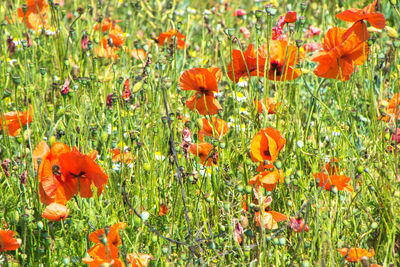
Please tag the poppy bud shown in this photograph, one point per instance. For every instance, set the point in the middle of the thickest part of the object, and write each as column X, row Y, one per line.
column 24, row 8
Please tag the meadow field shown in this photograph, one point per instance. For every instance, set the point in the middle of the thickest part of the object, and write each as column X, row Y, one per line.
column 199, row 133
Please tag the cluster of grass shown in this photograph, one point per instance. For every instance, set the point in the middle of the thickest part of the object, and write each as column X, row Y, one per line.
column 320, row 120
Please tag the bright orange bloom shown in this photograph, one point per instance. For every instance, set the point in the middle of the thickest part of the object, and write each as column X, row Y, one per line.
column 245, row 64
column 356, row 254
column 270, row 106
column 268, row 179
column 101, row 254
column 167, row 36
column 282, row 58
column 367, row 13
column 7, row 240
column 340, row 181
column 105, row 50
column 163, row 210
column 266, row 145
column 216, row 127
column 332, row 166
column 290, row 17
column 118, row 37
column 36, row 14
column 55, row 212
column 138, row 259
column 139, row 54
column 113, row 238
column 108, row 25
column 12, row 120
column 270, row 218
column 392, row 110
column 204, row 151
column 205, row 82
column 65, row 172
column 39, row 152
column 125, row 157
column 341, row 52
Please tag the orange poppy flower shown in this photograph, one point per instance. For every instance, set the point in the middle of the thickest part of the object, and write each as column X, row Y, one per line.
column 138, row 259
column 290, row 17
column 204, row 151
column 167, row 36
column 270, row 106
column 367, row 13
column 163, row 210
column 139, row 54
column 268, row 179
column 216, row 128
column 332, row 166
column 356, row 254
column 270, row 218
column 12, row 121
column 7, row 240
column 340, row 53
column 105, row 50
column 125, row 157
column 118, row 37
column 340, row 181
column 101, row 255
column 282, row 58
column 40, row 151
column 245, row 63
column 392, row 109
column 36, row 14
column 266, row 145
column 108, row 25
column 55, row 212
column 65, row 172
column 113, row 238
column 205, row 82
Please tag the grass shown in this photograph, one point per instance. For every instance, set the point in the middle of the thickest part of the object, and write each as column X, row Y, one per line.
column 319, row 118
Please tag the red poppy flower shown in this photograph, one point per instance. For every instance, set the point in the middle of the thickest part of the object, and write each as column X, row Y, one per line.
column 205, row 82
column 35, row 16
column 290, row 17
column 340, row 54
column 118, row 37
column 340, row 181
column 138, row 259
column 353, row 15
column 167, row 36
column 282, row 58
column 270, row 106
column 216, row 128
column 122, row 157
column 126, row 93
column 268, row 179
column 108, row 25
column 12, row 121
column 163, row 210
column 239, row 12
column 356, row 254
column 245, row 63
column 204, row 151
column 392, row 109
column 113, row 238
column 65, row 172
column 55, row 212
column 7, row 240
column 270, row 218
column 105, row 50
column 266, row 145
column 139, row 54
column 101, row 255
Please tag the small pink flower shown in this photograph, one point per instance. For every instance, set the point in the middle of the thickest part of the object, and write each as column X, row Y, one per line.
column 186, row 141
column 396, row 136
column 239, row 13
column 297, row 225
column 28, row 40
column 84, row 41
column 238, row 232
column 311, row 47
column 65, row 88
column 312, row 31
column 245, row 32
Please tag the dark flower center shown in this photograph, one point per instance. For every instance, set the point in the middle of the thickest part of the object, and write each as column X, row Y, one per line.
column 276, row 68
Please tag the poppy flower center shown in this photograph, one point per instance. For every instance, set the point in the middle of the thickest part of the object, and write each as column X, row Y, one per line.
column 56, row 170
column 77, row 175
column 267, row 153
column 202, row 89
column 275, row 67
